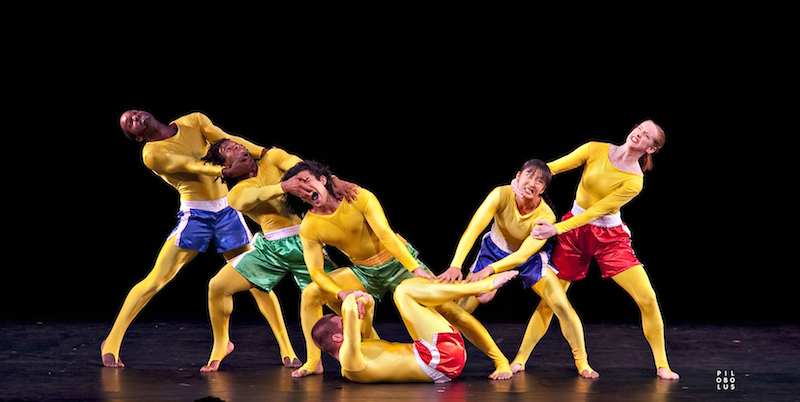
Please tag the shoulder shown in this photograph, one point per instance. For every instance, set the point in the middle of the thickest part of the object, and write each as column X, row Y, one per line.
column 544, row 212
column 192, row 119
column 365, row 195
column 152, row 152
column 501, row 193
column 597, row 146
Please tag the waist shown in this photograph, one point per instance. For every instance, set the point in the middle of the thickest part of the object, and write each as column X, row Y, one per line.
column 605, row 221
column 500, row 241
column 212, row 205
column 282, row 233
column 379, row 259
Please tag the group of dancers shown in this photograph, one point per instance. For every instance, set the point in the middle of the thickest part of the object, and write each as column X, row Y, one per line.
column 303, row 209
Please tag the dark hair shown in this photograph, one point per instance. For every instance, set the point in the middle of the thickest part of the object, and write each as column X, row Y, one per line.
column 541, row 166
column 214, row 157
column 293, row 203
column 322, row 332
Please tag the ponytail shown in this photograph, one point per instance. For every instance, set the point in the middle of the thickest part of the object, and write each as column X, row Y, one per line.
column 646, row 161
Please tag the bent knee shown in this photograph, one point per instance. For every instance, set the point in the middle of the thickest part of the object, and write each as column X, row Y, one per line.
column 216, row 287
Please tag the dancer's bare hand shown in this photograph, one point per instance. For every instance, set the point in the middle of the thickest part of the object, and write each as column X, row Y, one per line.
column 451, row 275
column 481, row 275
column 543, row 230
column 344, row 189
column 421, row 273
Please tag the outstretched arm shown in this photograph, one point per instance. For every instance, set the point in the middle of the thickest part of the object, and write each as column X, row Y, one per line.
column 482, row 217
column 315, row 262
column 610, row 203
column 168, row 162
column 245, row 196
column 212, row 133
column 376, row 219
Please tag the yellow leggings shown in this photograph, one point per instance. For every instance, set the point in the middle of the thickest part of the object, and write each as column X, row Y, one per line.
column 553, row 294
column 634, row 281
column 170, row 260
column 220, row 307
column 313, row 298
column 417, row 298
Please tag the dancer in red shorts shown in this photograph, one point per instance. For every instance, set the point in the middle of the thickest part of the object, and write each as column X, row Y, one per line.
column 593, row 229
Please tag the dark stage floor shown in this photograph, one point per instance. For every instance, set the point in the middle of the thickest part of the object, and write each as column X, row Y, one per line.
column 58, row 361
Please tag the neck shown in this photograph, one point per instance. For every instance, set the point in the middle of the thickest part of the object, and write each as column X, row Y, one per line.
column 526, row 205
column 162, row 132
column 626, row 154
column 330, row 206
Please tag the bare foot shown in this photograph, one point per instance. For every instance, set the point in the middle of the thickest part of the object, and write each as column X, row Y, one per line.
column 292, row 363
column 503, row 278
column 667, row 374
column 211, row 367
column 502, row 373
column 109, row 360
column 214, row 365
column 517, row 367
column 486, row 297
column 590, row 374
column 303, row 371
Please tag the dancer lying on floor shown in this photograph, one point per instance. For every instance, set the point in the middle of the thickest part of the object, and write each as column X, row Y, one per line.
column 438, row 353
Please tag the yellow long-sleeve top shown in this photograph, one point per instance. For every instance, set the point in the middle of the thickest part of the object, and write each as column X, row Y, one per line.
column 359, row 229
column 374, row 360
column 259, row 197
column 509, row 223
column 177, row 159
column 603, row 188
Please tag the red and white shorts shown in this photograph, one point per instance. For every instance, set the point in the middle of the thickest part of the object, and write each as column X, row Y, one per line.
column 444, row 359
column 606, row 240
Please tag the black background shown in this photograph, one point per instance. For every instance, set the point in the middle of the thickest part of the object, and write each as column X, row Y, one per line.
column 430, row 114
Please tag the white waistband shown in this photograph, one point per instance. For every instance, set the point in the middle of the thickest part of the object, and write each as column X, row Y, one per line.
column 605, row 221
column 212, row 206
column 282, row 233
column 499, row 241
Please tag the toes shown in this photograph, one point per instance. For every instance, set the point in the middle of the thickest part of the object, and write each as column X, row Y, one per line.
column 109, row 360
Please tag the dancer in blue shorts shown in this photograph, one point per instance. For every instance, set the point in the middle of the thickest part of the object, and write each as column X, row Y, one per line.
column 173, row 152
column 508, row 246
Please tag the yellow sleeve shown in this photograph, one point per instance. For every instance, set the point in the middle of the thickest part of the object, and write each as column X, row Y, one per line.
column 315, row 262
column 529, row 247
column 376, row 219
column 350, row 355
column 167, row 162
column 214, row 134
column 246, row 196
column 282, row 159
column 482, row 217
column 610, row 203
column 574, row 159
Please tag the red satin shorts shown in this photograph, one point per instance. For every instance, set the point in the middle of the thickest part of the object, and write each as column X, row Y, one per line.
column 610, row 247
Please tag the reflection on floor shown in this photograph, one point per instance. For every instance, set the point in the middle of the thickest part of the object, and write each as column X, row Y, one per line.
column 60, row 361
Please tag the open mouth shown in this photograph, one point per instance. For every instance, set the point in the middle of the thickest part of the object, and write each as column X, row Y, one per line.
column 314, row 196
